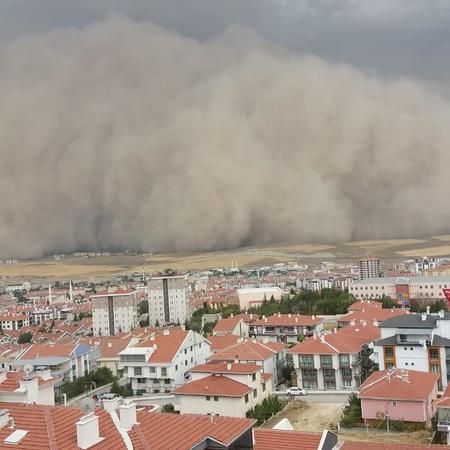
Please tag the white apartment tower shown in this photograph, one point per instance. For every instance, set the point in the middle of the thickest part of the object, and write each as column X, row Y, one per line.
column 369, row 268
column 114, row 312
column 167, row 299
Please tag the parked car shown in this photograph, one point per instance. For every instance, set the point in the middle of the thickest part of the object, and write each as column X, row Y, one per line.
column 108, row 396
column 294, row 391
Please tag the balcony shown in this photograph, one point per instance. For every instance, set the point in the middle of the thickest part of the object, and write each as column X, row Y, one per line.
column 306, row 365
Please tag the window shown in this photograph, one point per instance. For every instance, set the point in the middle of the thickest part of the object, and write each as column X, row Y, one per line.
column 152, row 369
column 254, row 377
column 389, row 366
column 306, row 360
column 388, row 352
column 176, row 366
column 326, row 361
column 346, row 372
column 434, row 368
column 216, row 398
column 208, row 398
column 344, row 360
column 309, row 373
column 246, row 398
column 394, row 402
column 163, row 372
column 434, row 353
column 254, row 393
column 328, row 373
column 264, row 387
column 132, row 358
column 138, row 370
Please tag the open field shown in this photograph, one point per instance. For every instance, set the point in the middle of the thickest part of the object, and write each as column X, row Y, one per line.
column 97, row 268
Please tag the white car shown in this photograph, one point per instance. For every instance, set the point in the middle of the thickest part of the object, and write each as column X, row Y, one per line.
column 294, row 391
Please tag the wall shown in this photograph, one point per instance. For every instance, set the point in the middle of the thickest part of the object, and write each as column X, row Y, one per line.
column 226, row 406
column 408, row 411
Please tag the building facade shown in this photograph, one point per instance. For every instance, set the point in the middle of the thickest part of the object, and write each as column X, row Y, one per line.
column 369, row 268
column 168, row 299
column 114, row 312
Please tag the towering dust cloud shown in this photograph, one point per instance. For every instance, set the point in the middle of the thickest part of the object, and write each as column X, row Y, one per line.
column 125, row 136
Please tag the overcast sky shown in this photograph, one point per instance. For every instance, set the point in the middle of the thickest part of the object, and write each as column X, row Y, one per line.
column 383, row 37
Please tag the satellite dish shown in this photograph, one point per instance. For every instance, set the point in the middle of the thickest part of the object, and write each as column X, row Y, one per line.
column 28, row 369
column 88, row 405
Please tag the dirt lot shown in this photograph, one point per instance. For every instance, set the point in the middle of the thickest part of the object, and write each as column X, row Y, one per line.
column 308, row 416
column 316, row 417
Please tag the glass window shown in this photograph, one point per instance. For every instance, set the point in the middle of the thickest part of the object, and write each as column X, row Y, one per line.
column 246, row 398
column 216, row 398
column 326, row 361
column 208, row 398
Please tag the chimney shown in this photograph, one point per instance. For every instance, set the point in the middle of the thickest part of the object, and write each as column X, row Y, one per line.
column 127, row 413
column 424, row 317
column 109, row 344
column 231, row 315
column 236, row 359
column 4, row 417
column 31, row 386
column 441, row 314
column 265, row 319
column 322, row 338
column 228, row 366
column 110, row 405
column 88, row 431
column 352, row 323
column 313, row 317
column 166, row 332
column 428, row 310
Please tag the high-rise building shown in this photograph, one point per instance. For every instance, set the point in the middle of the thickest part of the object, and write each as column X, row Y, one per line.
column 425, row 263
column 167, row 299
column 114, row 312
column 370, row 268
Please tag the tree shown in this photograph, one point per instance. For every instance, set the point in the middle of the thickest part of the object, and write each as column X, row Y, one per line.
column 143, row 307
column 122, row 391
column 168, row 408
column 352, row 414
column 25, row 338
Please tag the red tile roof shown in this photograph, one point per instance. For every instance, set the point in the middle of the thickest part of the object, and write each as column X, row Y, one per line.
column 363, row 304
column 444, row 401
column 44, row 350
column 158, row 431
column 244, row 351
column 53, row 428
column 237, row 368
column 109, row 346
column 222, row 342
column 12, row 381
column 371, row 313
column 345, row 340
column 265, row 439
column 413, row 386
column 227, row 325
column 167, row 345
column 214, row 385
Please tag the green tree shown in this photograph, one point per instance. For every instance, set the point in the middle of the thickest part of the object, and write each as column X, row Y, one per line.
column 25, row 338
column 352, row 414
column 143, row 307
column 168, row 408
column 122, row 391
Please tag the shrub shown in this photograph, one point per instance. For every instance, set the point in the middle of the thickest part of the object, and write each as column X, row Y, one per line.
column 352, row 414
column 168, row 408
column 266, row 409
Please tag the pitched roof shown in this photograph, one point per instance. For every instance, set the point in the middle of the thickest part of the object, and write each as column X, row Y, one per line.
column 159, row 431
column 244, row 351
column 214, row 385
column 167, row 345
column 53, row 428
column 13, row 379
column 265, row 439
column 109, row 346
column 226, row 325
column 45, row 350
column 221, row 367
column 349, row 339
column 371, row 313
column 222, row 342
column 399, row 384
column 411, row 320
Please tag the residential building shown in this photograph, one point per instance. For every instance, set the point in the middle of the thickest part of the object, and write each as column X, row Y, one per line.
column 13, row 321
column 161, row 363
column 168, row 299
column 271, row 356
column 41, row 315
column 417, row 342
column 36, row 388
column 286, row 327
column 224, row 389
column 369, row 268
column 109, row 348
column 424, row 263
column 159, row 431
column 67, row 361
column 443, row 413
column 233, row 325
column 335, row 361
column 114, row 312
column 399, row 394
column 57, row 428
